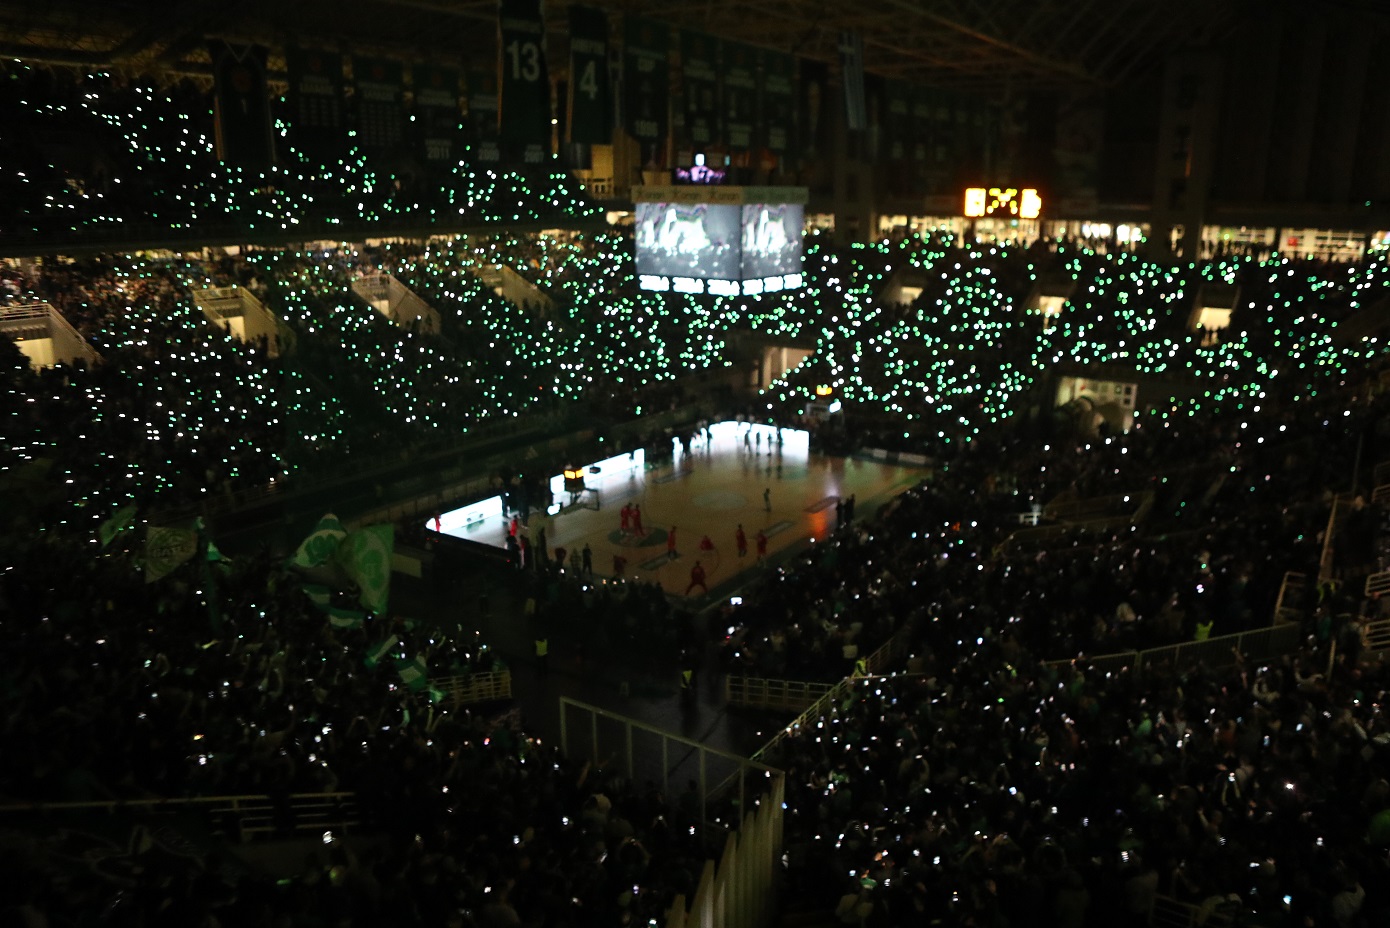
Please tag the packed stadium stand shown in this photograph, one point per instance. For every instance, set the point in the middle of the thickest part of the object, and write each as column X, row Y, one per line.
column 300, row 302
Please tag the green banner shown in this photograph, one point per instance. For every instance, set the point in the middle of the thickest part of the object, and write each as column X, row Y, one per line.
column 241, row 105
column 375, row 655
column 414, row 673
column 345, row 618
column 365, row 555
column 379, row 92
column 700, row 76
column 318, row 594
column 646, row 98
column 437, row 113
column 525, row 85
column 778, row 100
column 166, row 549
column 120, row 520
column 740, row 95
column 590, row 87
column 316, row 101
column 320, row 544
column 483, row 141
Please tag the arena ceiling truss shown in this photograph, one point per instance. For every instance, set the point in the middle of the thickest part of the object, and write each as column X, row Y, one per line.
column 994, row 47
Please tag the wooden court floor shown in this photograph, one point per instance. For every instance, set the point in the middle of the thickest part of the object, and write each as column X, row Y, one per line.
column 707, row 493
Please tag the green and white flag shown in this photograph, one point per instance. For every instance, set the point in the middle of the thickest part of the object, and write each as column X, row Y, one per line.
column 413, row 673
column 376, row 654
column 345, row 618
column 365, row 556
column 321, row 543
column 120, row 520
column 166, row 549
column 318, row 594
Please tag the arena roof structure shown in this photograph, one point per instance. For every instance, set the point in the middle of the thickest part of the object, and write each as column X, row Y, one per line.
column 987, row 46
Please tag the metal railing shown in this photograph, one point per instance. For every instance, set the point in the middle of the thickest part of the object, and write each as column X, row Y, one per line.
column 255, row 815
column 396, row 301
column 761, row 693
column 1115, row 505
column 68, row 343
column 740, row 892
column 1255, row 644
column 1377, row 584
column 1327, row 561
column 600, row 188
column 25, row 313
column 807, row 718
column 1376, row 635
column 1291, row 592
column 470, row 689
column 890, row 652
column 772, row 695
column 1171, row 913
column 601, row 735
column 1079, row 517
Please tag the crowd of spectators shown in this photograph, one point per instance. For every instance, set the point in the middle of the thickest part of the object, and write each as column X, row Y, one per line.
column 1004, row 778
column 144, row 691
column 122, row 690
column 91, row 156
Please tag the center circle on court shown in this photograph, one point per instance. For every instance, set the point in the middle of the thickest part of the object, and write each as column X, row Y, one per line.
column 724, row 500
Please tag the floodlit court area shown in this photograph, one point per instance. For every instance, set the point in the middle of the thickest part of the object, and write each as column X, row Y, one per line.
column 761, row 477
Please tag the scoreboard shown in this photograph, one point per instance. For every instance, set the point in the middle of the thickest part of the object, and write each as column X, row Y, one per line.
column 1002, row 202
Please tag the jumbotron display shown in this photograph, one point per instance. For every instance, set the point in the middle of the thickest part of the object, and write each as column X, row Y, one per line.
column 723, row 241
column 687, row 240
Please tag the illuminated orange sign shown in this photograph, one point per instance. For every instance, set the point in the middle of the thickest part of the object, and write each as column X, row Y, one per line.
column 1003, row 202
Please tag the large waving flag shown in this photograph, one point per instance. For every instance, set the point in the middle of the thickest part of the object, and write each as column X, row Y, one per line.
column 365, row 556
column 166, row 549
column 375, row 655
column 414, row 673
column 322, row 542
column 338, row 617
column 345, row 618
column 120, row 520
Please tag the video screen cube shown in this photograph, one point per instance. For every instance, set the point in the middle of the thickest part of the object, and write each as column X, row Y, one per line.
column 771, row 239
column 724, row 241
column 688, row 240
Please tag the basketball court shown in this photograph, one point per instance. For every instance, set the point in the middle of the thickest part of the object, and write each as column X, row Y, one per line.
column 758, row 476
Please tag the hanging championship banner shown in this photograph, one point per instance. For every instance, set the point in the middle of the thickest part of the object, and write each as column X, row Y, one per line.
column 875, row 104
column 379, row 90
column 241, row 105
column 590, row 92
column 919, row 153
column 525, row 85
column 812, row 101
column 645, row 81
column 316, row 101
column 941, row 145
column 740, row 95
column 701, row 81
column 482, row 117
column 852, row 80
column 899, row 125
column 778, row 100
column 437, row 113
